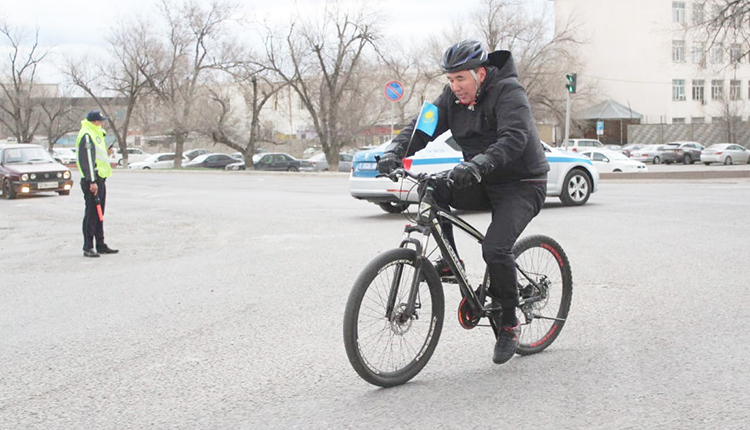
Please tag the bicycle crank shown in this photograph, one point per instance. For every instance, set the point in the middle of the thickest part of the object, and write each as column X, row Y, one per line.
column 466, row 317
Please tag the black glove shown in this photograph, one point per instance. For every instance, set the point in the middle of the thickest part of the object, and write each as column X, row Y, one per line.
column 465, row 175
column 388, row 162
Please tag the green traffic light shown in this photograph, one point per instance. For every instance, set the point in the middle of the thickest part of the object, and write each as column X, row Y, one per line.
column 571, row 85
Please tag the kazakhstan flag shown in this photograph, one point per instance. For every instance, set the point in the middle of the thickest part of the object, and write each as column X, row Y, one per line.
column 428, row 118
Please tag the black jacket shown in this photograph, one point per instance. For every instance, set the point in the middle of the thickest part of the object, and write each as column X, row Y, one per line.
column 500, row 125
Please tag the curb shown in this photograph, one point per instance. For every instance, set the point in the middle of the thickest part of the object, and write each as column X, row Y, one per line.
column 679, row 175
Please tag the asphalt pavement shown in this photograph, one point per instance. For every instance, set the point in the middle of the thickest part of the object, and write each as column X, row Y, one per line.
column 223, row 310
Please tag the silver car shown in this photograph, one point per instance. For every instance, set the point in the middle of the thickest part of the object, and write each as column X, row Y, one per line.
column 649, row 154
column 727, row 153
column 320, row 164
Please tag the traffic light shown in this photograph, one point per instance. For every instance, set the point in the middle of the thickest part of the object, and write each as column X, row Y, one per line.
column 571, row 82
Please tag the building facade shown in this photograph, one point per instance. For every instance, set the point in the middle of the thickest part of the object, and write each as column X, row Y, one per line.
column 653, row 56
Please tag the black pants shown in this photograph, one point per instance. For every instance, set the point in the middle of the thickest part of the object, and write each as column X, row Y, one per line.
column 513, row 205
column 92, row 227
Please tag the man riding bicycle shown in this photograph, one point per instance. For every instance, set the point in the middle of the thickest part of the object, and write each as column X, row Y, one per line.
column 504, row 167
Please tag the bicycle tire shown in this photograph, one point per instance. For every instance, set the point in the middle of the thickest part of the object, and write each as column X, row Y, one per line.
column 540, row 256
column 408, row 345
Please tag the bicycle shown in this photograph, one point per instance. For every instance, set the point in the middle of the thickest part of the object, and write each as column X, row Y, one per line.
column 398, row 299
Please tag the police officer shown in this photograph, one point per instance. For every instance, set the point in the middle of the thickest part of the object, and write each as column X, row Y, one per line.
column 93, row 164
column 504, row 167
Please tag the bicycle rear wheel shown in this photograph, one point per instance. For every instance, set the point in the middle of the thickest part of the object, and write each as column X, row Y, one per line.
column 543, row 260
column 388, row 350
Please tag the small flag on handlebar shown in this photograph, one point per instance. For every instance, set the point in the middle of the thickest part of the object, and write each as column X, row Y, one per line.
column 428, row 118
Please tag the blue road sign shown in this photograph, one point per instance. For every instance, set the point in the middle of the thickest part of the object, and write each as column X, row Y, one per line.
column 394, row 91
column 600, row 127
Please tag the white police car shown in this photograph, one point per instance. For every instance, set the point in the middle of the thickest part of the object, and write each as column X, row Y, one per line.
column 572, row 177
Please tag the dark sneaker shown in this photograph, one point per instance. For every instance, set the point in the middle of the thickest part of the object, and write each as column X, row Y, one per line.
column 107, row 250
column 445, row 272
column 506, row 344
column 90, row 253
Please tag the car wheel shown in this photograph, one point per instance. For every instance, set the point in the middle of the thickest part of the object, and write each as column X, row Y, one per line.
column 393, row 207
column 657, row 160
column 8, row 191
column 119, row 162
column 64, row 193
column 146, row 168
column 617, row 171
column 687, row 159
column 707, row 164
column 728, row 161
column 576, row 188
column 667, row 162
column 292, row 169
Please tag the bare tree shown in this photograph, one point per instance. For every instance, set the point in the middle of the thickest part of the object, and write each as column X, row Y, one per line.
column 58, row 117
column 413, row 69
column 256, row 90
column 319, row 57
column 723, row 21
column 129, row 45
column 193, row 49
column 19, row 98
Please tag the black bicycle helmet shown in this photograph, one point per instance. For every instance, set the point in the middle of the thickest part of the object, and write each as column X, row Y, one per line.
column 466, row 55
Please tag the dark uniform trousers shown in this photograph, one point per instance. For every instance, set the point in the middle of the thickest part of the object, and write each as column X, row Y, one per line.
column 92, row 227
column 513, row 205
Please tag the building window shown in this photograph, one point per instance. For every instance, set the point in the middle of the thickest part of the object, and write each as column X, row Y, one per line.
column 716, row 14
column 678, row 51
column 735, row 53
column 698, row 13
column 678, row 120
column 698, row 90
column 717, row 54
column 678, row 12
column 735, row 89
column 678, row 89
column 717, row 119
column 697, row 120
column 699, row 53
column 717, row 89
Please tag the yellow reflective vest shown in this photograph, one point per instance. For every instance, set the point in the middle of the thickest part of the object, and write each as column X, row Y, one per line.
column 101, row 167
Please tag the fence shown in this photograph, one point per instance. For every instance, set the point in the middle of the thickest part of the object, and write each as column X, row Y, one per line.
column 707, row 134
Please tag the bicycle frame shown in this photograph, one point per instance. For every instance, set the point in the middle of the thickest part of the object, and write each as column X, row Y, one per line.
column 429, row 218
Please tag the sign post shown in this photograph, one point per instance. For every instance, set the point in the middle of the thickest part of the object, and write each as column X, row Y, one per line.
column 394, row 91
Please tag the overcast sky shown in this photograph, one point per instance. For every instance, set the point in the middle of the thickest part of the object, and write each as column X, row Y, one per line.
column 76, row 25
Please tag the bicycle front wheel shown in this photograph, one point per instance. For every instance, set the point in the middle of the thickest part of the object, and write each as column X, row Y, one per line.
column 389, row 347
column 542, row 260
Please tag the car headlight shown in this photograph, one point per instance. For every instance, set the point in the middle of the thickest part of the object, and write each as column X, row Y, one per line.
column 59, row 175
column 33, row 176
column 66, row 174
column 25, row 177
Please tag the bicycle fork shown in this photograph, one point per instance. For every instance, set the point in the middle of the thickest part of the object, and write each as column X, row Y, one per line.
column 409, row 310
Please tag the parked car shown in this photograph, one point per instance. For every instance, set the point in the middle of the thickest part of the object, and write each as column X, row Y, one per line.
column 211, row 161
column 628, row 149
column 240, row 165
column 64, row 155
column 134, row 155
column 607, row 161
column 687, row 152
column 572, row 177
column 577, row 145
column 29, row 169
column 163, row 160
column 192, row 153
column 320, row 164
column 649, row 154
column 279, row 161
column 727, row 153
